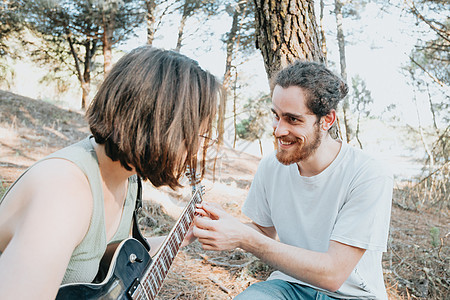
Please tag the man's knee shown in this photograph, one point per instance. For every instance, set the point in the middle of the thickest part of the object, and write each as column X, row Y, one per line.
column 266, row 290
column 280, row 290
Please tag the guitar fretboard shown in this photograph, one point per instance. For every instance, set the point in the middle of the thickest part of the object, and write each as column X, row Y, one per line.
column 154, row 277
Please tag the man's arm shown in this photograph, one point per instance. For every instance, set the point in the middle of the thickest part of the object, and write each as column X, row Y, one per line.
column 327, row 270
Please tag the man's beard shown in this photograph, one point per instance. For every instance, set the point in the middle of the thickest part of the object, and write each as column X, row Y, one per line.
column 301, row 151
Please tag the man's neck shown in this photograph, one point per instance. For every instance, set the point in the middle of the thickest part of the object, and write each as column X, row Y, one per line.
column 321, row 158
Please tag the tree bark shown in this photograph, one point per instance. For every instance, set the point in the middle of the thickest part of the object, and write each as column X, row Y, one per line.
column 184, row 17
column 151, row 7
column 323, row 40
column 107, row 40
column 286, row 30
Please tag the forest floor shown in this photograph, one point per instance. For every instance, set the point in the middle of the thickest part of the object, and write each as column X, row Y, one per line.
column 416, row 265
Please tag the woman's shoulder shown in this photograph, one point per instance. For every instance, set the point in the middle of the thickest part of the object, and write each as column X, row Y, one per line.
column 58, row 191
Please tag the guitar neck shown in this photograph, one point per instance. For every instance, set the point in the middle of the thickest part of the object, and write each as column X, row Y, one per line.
column 158, row 269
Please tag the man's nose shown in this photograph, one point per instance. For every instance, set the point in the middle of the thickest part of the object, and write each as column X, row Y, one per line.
column 280, row 128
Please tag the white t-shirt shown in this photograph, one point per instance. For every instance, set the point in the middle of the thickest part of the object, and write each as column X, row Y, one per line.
column 349, row 202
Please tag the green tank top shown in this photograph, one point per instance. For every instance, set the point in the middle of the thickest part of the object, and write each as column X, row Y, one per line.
column 84, row 263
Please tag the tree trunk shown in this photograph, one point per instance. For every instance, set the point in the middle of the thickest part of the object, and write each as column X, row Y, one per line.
column 151, row 7
column 422, row 136
column 85, row 89
column 83, row 78
column 323, row 40
column 286, row 30
column 86, row 85
column 107, row 40
column 227, row 75
column 234, row 108
column 358, row 130
column 184, row 17
column 343, row 64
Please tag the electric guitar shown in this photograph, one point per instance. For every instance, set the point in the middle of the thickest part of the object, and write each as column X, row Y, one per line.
column 132, row 273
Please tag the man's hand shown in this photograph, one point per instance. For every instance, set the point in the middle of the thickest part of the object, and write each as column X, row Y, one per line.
column 189, row 238
column 216, row 229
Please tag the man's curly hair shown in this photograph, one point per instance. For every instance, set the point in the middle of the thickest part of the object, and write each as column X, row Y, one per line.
column 323, row 88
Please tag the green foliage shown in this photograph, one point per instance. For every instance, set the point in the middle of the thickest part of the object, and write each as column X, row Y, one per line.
column 430, row 57
column 434, row 233
column 246, row 36
column 352, row 8
column 82, row 23
column 7, row 73
column 71, row 32
column 361, row 96
column 258, row 119
column 361, row 99
column 11, row 22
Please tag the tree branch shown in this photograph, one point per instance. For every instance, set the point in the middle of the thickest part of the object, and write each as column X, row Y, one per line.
column 428, row 73
column 442, row 33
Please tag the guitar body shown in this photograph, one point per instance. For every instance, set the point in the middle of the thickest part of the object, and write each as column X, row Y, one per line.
column 129, row 261
column 128, row 264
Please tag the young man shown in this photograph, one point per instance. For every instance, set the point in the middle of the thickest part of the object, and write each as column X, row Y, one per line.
column 58, row 217
column 329, row 204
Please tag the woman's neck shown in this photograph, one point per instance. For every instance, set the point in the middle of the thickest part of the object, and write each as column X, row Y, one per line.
column 112, row 172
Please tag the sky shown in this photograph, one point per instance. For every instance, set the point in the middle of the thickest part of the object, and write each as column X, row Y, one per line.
column 377, row 47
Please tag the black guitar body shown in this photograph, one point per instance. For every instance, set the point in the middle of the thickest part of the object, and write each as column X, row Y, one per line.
column 129, row 261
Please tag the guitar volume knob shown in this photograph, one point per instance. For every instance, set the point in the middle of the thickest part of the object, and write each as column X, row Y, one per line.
column 133, row 258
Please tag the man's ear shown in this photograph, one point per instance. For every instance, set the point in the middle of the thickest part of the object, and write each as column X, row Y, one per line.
column 328, row 120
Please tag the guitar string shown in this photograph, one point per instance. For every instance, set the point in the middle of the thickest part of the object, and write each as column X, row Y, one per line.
column 159, row 267
column 168, row 257
column 173, row 245
column 164, row 259
column 160, row 278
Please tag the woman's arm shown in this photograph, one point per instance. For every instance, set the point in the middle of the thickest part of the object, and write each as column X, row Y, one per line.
column 54, row 217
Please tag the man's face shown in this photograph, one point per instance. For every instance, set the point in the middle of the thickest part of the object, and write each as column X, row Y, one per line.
column 295, row 128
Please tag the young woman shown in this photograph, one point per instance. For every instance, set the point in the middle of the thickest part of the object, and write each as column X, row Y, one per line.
column 58, row 217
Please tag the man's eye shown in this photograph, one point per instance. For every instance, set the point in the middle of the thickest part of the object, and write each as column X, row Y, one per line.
column 292, row 119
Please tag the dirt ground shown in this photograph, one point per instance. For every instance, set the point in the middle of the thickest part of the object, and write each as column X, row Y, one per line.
column 416, row 265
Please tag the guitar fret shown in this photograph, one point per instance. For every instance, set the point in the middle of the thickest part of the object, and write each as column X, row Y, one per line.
column 151, row 288
column 155, row 283
column 148, row 283
column 145, row 294
column 182, row 223
column 159, row 274
column 167, row 262
column 171, row 253
column 163, row 261
column 155, row 275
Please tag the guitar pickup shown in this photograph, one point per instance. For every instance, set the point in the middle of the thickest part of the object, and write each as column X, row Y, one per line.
column 134, row 286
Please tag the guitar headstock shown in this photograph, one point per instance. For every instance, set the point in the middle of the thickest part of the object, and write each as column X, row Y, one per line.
column 194, row 181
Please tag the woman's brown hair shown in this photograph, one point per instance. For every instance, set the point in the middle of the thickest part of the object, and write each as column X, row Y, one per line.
column 149, row 113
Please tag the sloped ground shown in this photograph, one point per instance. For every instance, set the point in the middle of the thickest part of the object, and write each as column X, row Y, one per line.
column 31, row 129
column 416, row 264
